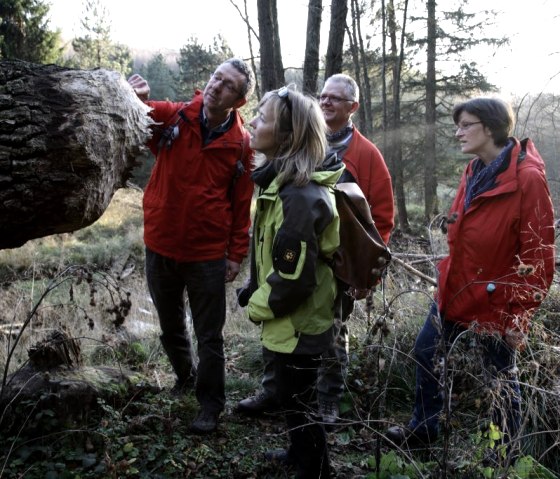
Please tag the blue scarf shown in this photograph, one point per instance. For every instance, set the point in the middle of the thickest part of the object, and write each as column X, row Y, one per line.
column 483, row 177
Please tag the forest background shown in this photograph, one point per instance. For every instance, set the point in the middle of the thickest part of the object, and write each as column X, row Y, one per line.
column 413, row 60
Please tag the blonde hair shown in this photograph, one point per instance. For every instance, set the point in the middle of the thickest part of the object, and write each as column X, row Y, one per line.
column 300, row 132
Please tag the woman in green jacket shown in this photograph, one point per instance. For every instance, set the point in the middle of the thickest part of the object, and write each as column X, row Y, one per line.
column 292, row 288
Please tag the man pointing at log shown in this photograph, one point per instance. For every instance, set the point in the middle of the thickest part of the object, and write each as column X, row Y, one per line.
column 196, row 222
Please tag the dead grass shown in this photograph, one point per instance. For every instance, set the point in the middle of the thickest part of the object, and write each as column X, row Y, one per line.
column 381, row 377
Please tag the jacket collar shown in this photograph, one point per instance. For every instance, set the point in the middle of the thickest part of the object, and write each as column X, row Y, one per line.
column 192, row 112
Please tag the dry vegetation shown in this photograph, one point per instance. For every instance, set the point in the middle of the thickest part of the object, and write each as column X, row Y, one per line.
column 45, row 286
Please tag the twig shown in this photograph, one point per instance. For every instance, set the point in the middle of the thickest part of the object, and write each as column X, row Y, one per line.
column 414, row 271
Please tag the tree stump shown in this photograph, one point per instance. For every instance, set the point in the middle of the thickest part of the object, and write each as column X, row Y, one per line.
column 68, row 140
column 55, row 380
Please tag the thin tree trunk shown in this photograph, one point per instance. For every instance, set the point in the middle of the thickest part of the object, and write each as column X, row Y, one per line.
column 278, row 65
column 396, row 143
column 68, row 140
column 384, row 83
column 267, row 48
column 357, row 66
column 430, row 165
column 311, row 62
column 333, row 61
column 250, row 30
column 365, row 96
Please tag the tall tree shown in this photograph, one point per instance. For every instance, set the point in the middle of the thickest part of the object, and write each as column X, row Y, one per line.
column 25, row 33
column 197, row 62
column 361, row 70
column 311, row 61
column 95, row 49
column 449, row 37
column 333, row 60
column 160, row 78
column 395, row 150
column 272, row 68
column 250, row 33
column 430, row 170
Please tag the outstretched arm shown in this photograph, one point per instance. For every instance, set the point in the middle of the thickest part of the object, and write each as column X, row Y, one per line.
column 140, row 86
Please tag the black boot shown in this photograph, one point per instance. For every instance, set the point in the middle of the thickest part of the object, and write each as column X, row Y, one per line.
column 179, row 353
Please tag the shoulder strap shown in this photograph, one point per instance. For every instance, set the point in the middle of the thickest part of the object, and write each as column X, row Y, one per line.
column 239, row 166
column 170, row 132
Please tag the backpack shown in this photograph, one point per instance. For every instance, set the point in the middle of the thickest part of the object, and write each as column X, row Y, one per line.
column 362, row 257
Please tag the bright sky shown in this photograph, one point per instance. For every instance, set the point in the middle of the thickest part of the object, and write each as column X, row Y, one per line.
column 530, row 63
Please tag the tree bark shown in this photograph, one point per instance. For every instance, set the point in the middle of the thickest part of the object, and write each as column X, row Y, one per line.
column 430, row 165
column 311, row 62
column 68, row 140
column 395, row 151
column 333, row 62
column 272, row 70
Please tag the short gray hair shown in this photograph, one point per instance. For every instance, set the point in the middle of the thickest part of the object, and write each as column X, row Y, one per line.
column 242, row 67
column 352, row 89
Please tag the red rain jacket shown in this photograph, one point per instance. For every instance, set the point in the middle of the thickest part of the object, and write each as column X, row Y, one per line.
column 501, row 250
column 189, row 214
column 366, row 164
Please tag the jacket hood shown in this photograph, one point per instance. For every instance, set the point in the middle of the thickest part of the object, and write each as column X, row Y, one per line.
column 332, row 162
column 522, row 155
column 264, row 174
column 528, row 155
column 328, row 177
column 330, row 171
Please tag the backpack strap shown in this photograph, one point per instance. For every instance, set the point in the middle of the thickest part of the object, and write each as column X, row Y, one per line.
column 171, row 132
column 239, row 166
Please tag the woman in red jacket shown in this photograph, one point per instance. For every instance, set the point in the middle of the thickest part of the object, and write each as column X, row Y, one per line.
column 499, row 268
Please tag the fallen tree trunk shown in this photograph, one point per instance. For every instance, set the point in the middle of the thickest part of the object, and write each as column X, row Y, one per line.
column 68, row 140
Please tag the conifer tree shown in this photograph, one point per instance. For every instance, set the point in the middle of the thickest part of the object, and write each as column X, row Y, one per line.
column 25, row 33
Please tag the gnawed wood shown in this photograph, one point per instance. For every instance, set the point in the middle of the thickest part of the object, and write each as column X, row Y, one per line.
column 68, row 140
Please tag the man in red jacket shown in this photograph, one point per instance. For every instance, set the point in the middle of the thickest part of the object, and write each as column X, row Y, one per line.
column 365, row 165
column 196, row 223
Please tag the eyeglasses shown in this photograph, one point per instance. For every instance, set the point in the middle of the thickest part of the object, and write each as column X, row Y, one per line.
column 333, row 99
column 466, row 125
column 284, row 93
column 227, row 84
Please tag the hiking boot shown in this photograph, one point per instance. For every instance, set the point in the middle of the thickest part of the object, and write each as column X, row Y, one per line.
column 280, row 457
column 205, row 422
column 260, row 404
column 328, row 411
column 182, row 387
column 409, row 436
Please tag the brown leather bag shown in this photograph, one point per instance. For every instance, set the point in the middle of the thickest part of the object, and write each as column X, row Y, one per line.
column 362, row 256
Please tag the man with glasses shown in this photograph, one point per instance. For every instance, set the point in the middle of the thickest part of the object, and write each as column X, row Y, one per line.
column 196, row 222
column 339, row 100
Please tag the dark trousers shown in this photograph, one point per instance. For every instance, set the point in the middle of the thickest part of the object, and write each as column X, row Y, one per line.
column 204, row 284
column 334, row 367
column 499, row 359
column 296, row 375
column 331, row 381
